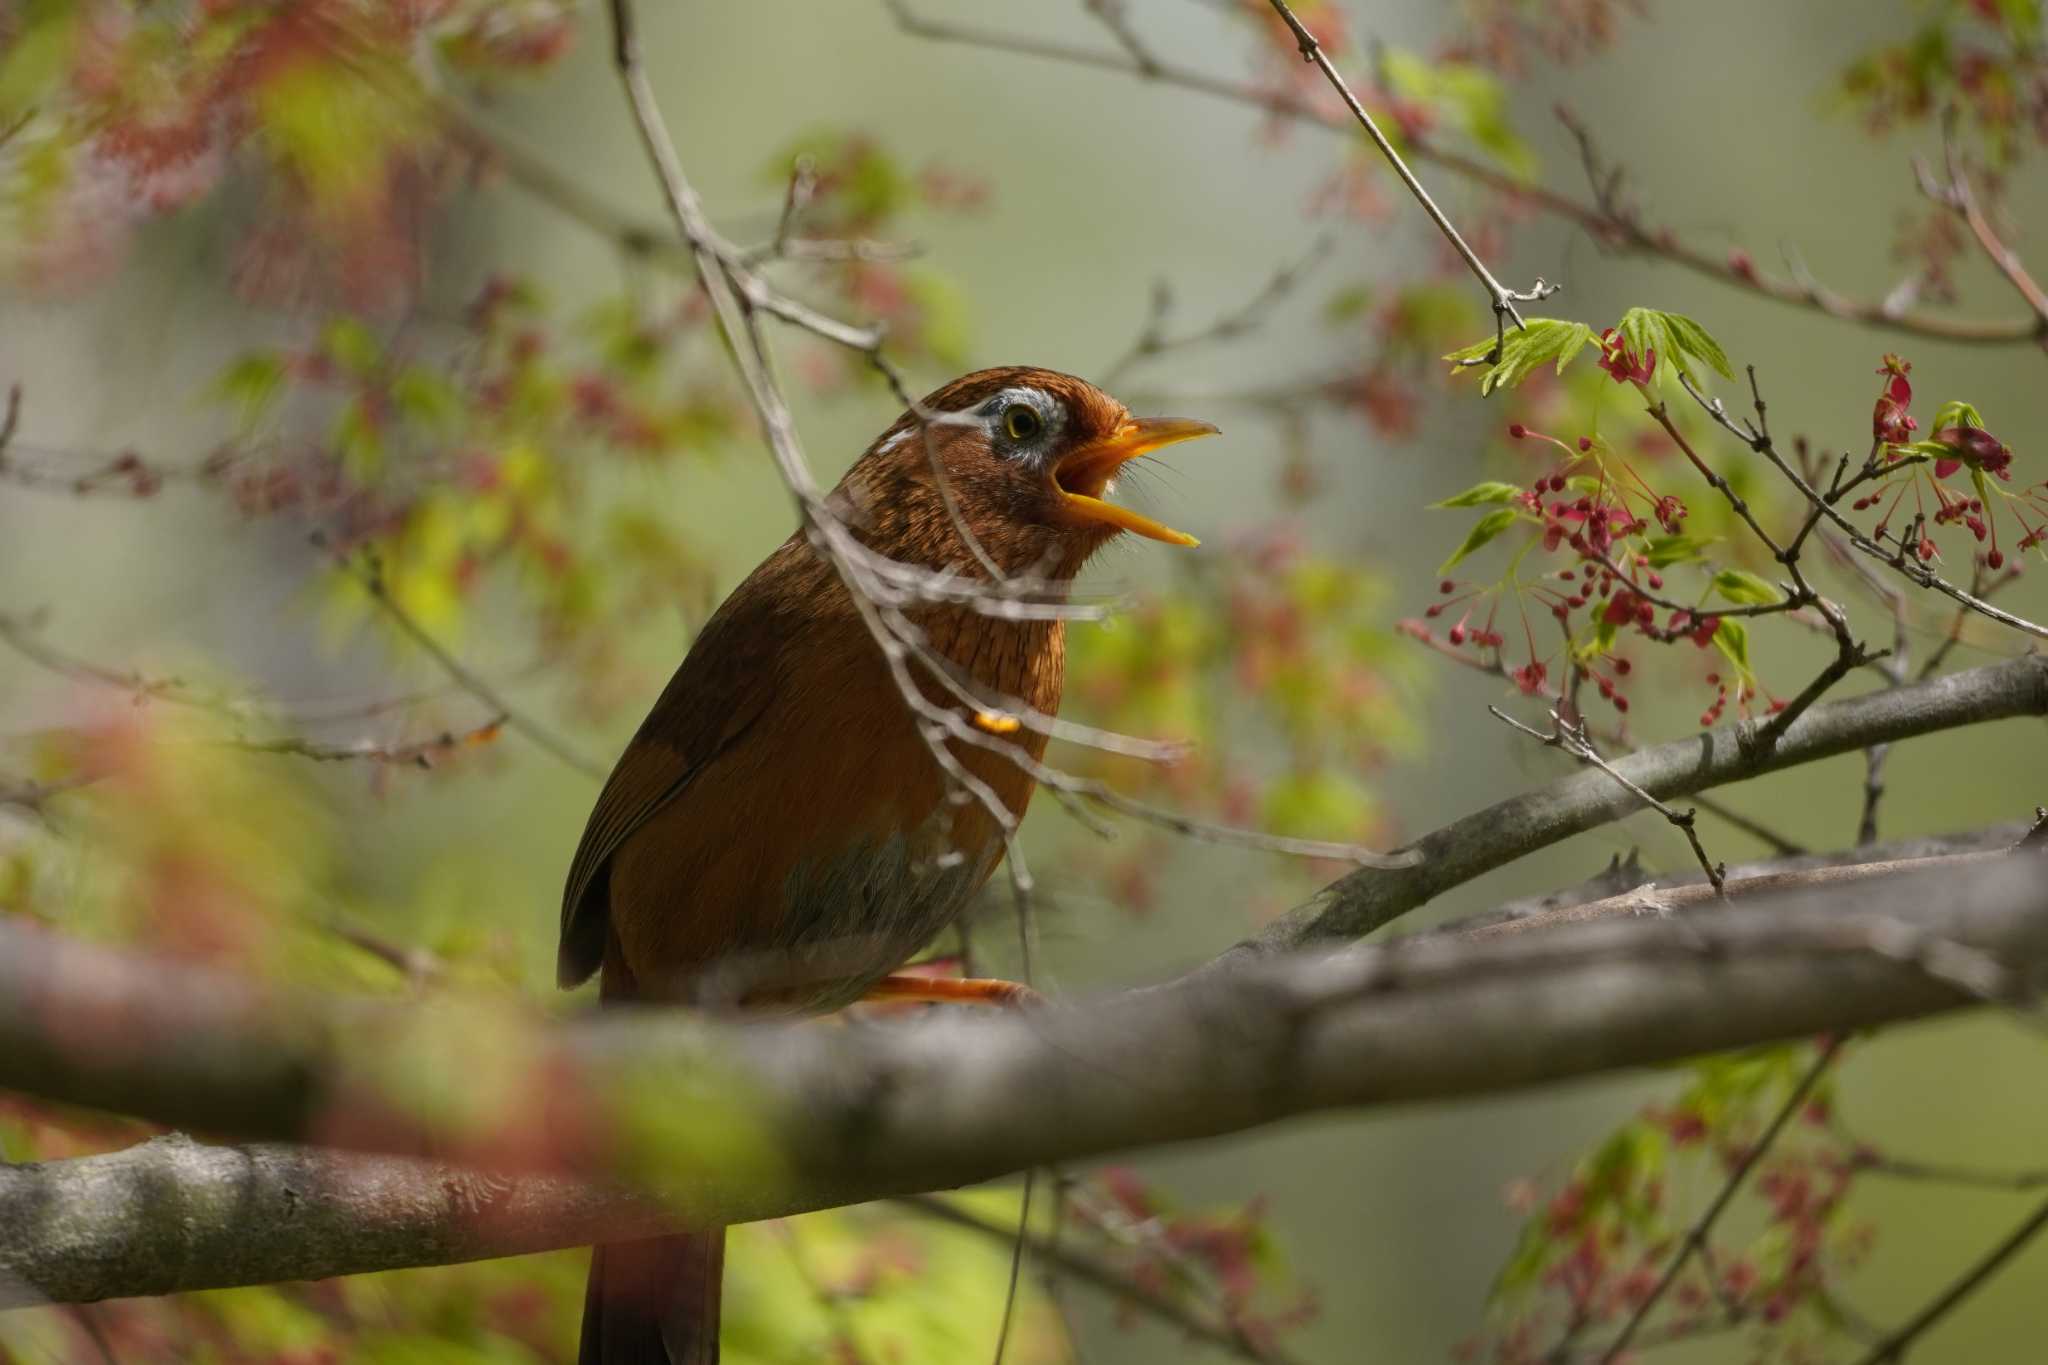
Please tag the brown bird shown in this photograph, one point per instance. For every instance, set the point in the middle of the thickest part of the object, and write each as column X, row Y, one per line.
column 777, row 834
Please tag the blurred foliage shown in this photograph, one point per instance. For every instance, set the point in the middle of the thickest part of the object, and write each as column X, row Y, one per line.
column 1594, row 1248
column 479, row 468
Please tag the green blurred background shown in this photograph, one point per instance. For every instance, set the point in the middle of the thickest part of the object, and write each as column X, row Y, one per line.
column 1101, row 186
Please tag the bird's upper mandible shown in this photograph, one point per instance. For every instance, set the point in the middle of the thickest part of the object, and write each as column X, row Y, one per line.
column 1030, row 457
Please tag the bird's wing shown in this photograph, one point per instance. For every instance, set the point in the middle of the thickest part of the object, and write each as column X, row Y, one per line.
column 722, row 687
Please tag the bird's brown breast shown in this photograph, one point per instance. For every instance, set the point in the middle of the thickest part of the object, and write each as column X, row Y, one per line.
column 818, row 851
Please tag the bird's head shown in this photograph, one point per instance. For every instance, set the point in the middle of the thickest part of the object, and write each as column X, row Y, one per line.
column 1031, row 459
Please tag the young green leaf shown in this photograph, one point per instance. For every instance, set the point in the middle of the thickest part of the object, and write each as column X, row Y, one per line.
column 1956, row 413
column 1481, row 493
column 252, row 385
column 1732, row 639
column 1677, row 340
column 352, row 346
column 1522, row 349
column 1487, row 527
column 1739, row 585
column 1668, row 550
column 1352, row 301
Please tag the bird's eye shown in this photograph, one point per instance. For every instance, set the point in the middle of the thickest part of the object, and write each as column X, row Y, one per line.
column 1021, row 421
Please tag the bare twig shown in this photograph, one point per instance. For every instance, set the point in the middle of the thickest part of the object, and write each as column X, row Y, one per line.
column 1572, row 740
column 1957, row 196
column 1893, row 1348
column 418, row 753
column 1116, row 18
column 371, row 575
column 1153, row 340
column 1502, row 298
column 1749, row 825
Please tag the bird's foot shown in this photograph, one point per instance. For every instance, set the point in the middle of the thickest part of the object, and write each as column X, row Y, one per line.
column 957, row 990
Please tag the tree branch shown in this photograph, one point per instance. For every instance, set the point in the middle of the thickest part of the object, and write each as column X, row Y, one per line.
column 1358, row 904
column 835, row 1116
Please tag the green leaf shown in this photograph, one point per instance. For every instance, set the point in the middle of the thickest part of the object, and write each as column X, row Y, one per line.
column 252, row 385
column 1319, row 804
column 1469, row 99
column 1732, row 639
column 1668, row 550
column 1481, row 493
column 352, row 346
column 1690, row 339
column 358, row 443
column 1739, row 585
column 1955, row 413
column 425, row 397
column 1522, row 349
column 1352, row 301
column 1488, row 526
column 1677, row 340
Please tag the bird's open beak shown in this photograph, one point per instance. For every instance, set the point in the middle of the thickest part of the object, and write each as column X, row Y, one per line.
column 1082, row 476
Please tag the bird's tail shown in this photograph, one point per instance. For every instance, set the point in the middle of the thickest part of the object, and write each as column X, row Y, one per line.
column 654, row 1302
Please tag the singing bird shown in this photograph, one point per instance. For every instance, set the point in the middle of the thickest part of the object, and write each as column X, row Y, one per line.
column 777, row 835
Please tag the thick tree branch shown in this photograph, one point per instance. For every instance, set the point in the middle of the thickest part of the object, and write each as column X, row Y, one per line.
column 836, row 1116
column 1491, row 838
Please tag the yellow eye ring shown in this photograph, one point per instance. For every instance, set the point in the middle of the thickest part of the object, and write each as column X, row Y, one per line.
column 1021, row 422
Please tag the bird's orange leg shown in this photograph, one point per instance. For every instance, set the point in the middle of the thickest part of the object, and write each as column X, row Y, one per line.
column 958, row 990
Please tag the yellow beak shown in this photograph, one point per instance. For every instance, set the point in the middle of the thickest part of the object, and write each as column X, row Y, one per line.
column 1081, row 476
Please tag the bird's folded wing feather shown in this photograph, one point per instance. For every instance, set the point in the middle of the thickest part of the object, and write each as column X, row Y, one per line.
column 723, row 686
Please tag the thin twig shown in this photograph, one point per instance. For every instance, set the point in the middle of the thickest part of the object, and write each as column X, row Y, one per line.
column 1217, row 1330
column 1749, row 825
column 1502, row 298
column 1893, row 1348
column 1152, row 340
column 1572, row 740
column 1021, row 1240
column 368, row 573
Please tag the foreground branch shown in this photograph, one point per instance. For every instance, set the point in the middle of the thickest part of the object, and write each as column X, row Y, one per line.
column 834, row 1116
